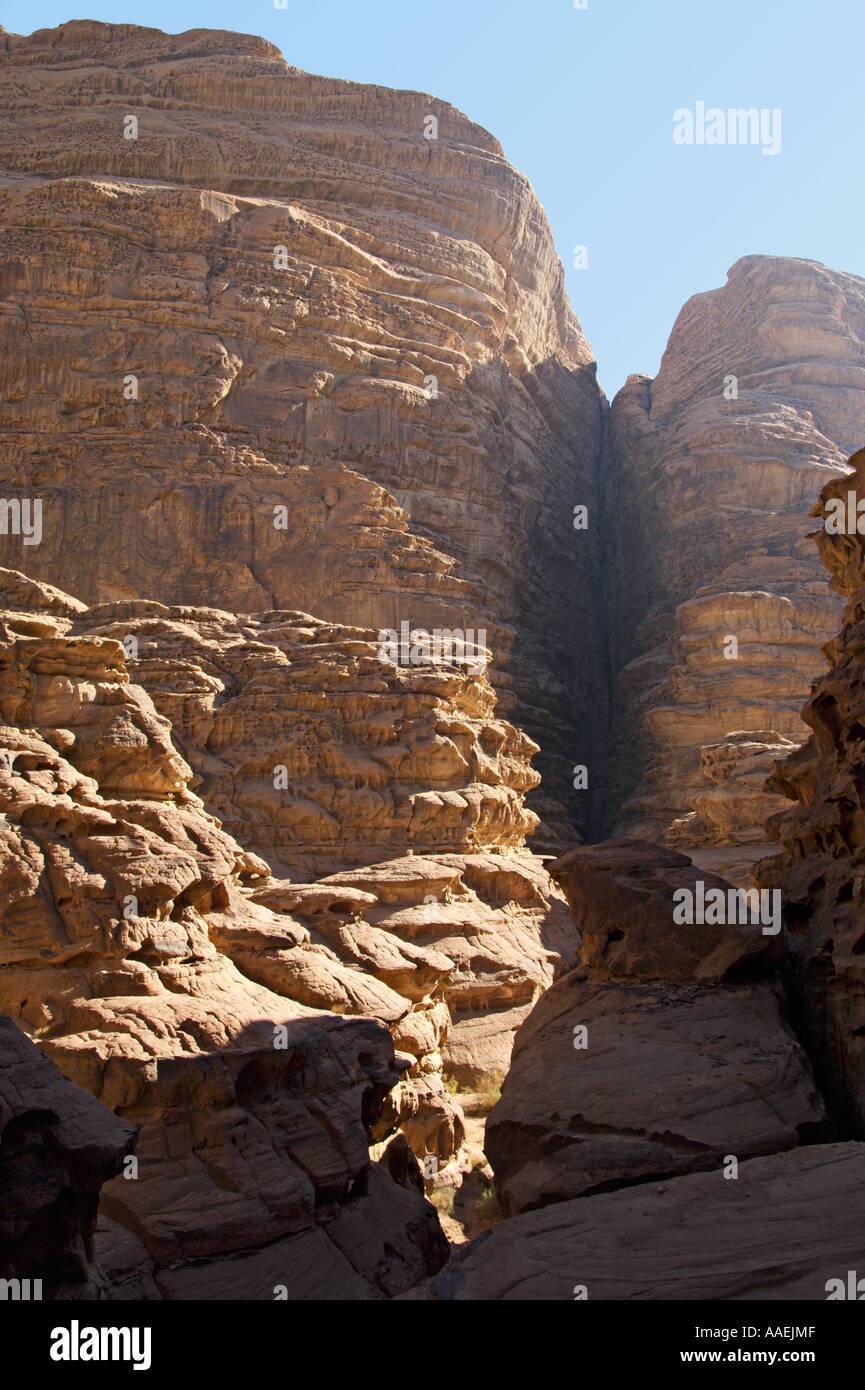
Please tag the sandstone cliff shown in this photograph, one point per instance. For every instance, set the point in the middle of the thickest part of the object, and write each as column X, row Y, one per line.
column 713, row 468
column 287, row 361
column 819, row 868
column 296, row 354
column 281, row 294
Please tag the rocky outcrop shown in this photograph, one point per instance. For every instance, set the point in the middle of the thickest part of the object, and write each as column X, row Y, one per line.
column 501, row 926
column 622, row 894
column 253, row 1110
column 820, row 870
column 336, row 370
column 57, row 1147
column 654, row 1057
column 303, row 378
column 712, row 471
column 667, row 1079
column 138, row 934
column 782, row 1230
column 316, row 753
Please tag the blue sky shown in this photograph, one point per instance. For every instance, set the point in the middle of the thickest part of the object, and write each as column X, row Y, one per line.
column 583, row 101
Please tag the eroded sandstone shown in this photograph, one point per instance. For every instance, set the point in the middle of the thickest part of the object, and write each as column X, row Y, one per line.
column 331, row 360
column 788, row 1225
column 713, row 469
column 819, row 868
column 253, row 1112
column 667, row 1051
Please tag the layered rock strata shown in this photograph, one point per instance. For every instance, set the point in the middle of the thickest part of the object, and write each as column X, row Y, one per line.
column 712, row 471
column 820, row 869
column 140, row 940
column 253, row 1110
column 502, row 928
column 334, row 757
column 318, row 754
column 306, row 346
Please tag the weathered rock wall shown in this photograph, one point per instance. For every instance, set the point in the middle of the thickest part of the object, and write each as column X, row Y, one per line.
column 123, row 908
column 154, row 957
column 713, row 468
column 313, row 751
column 405, row 377
column 820, row 869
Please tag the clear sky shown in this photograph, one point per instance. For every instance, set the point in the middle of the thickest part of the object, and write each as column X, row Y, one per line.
column 582, row 101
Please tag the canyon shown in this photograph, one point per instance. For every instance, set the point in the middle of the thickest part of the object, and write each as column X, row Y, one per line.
column 301, row 913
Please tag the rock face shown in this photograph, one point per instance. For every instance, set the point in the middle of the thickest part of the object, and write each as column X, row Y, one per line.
column 368, row 760
column 165, row 968
column 338, row 374
column 713, row 468
column 314, row 752
column 672, row 1080
column 303, row 379
column 500, row 926
column 622, row 893
column 819, row 870
column 57, row 1147
column 648, row 1061
column 788, row 1225
column 122, row 905
column 331, row 358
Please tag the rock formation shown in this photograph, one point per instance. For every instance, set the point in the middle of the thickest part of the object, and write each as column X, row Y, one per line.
column 137, row 933
column 317, row 754
column 649, row 1060
column 713, row 468
column 287, row 370
column 622, row 894
column 789, row 1224
column 664, row 1139
column 57, row 1147
column 819, row 870
column 296, row 353
column 332, row 324
column 672, row 1048
column 122, row 905
column 370, row 760
column 673, row 1079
